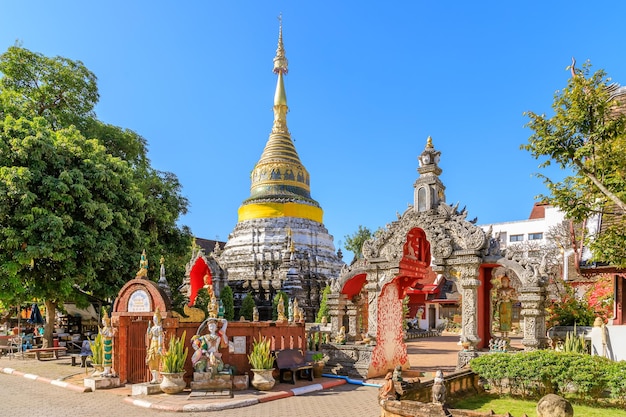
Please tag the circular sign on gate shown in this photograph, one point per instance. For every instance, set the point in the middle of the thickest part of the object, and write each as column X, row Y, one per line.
column 139, row 302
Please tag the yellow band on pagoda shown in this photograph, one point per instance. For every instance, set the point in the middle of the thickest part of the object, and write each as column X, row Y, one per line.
column 273, row 210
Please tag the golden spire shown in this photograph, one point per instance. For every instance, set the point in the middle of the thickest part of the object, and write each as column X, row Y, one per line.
column 429, row 142
column 280, row 96
column 280, row 61
column 279, row 183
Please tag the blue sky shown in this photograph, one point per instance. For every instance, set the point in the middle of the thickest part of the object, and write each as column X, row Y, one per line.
column 368, row 82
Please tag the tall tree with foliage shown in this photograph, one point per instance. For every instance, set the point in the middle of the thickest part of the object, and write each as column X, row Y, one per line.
column 587, row 137
column 247, row 307
column 79, row 200
column 228, row 303
column 354, row 242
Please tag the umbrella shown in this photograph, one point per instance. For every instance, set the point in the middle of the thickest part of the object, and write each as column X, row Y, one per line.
column 35, row 315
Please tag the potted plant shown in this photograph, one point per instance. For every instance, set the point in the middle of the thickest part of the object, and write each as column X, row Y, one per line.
column 319, row 360
column 261, row 360
column 173, row 365
column 97, row 354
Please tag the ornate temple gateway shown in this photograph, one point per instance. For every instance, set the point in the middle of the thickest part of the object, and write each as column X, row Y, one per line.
column 279, row 242
column 430, row 236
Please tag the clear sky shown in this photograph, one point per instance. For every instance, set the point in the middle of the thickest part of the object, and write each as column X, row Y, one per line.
column 368, row 82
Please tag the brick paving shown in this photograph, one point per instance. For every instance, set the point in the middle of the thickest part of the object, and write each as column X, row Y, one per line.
column 324, row 397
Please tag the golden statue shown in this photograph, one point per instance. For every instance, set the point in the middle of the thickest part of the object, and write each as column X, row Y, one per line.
column 155, row 351
column 506, row 296
column 213, row 307
column 280, row 308
column 143, row 266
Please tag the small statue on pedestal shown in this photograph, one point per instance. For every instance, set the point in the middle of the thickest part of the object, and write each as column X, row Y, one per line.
column 280, row 308
column 388, row 390
column 107, row 332
column 154, row 336
column 207, row 356
column 439, row 389
column 341, row 336
column 143, row 266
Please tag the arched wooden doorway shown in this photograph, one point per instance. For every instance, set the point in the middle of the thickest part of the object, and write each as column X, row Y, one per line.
column 132, row 311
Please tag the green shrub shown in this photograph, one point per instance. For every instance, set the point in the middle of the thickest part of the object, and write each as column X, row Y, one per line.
column 537, row 373
column 493, row 367
column 261, row 356
column 97, row 353
column 323, row 311
column 616, row 381
column 228, row 303
column 247, row 307
column 174, row 358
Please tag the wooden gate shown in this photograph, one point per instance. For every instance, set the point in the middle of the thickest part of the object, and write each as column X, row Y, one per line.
column 138, row 371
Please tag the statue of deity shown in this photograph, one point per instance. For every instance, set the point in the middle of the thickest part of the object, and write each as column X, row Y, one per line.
column 439, row 389
column 155, row 350
column 341, row 336
column 107, row 332
column 207, row 356
column 213, row 307
column 255, row 314
column 143, row 266
column 506, row 295
column 388, row 390
column 296, row 310
column 290, row 310
column 280, row 308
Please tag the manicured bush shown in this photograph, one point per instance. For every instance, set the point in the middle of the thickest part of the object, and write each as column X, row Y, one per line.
column 537, row 373
column 323, row 311
column 228, row 303
column 616, row 381
column 247, row 307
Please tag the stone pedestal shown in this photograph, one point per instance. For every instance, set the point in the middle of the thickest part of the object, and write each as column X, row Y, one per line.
column 241, row 382
column 101, row 382
column 204, row 382
column 348, row 360
column 145, row 388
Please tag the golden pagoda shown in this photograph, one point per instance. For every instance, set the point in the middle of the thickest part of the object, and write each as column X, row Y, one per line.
column 280, row 242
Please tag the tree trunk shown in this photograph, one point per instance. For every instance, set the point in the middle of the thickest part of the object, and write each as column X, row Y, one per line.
column 51, row 307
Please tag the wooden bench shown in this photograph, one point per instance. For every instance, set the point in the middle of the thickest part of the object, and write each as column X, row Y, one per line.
column 54, row 350
column 292, row 361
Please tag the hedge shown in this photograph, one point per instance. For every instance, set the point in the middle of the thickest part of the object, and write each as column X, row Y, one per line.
column 536, row 373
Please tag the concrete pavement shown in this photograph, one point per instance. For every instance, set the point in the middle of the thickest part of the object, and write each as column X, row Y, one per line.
column 425, row 355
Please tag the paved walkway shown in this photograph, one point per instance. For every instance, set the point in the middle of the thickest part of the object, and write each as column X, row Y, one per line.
column 425, row 356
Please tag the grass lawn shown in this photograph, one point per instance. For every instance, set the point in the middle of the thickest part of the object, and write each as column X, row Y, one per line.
column 518, row 407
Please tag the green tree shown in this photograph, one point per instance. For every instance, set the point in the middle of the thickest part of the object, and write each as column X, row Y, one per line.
column 354, row 242
column 228, row 303
column 79, row 198
column 247, row 307
column 68, row 210
column 323, row 311
column 275, row 304
column 587, row 137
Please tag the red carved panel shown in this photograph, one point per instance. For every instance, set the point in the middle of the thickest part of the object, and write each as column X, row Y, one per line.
column 390, row 349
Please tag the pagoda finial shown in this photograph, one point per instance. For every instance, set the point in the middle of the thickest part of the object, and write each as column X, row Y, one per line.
column 280, row 96
column 280, row 61
column 429, row 142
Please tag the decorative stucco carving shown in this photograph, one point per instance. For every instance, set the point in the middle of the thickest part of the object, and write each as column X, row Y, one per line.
column 446, row 229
